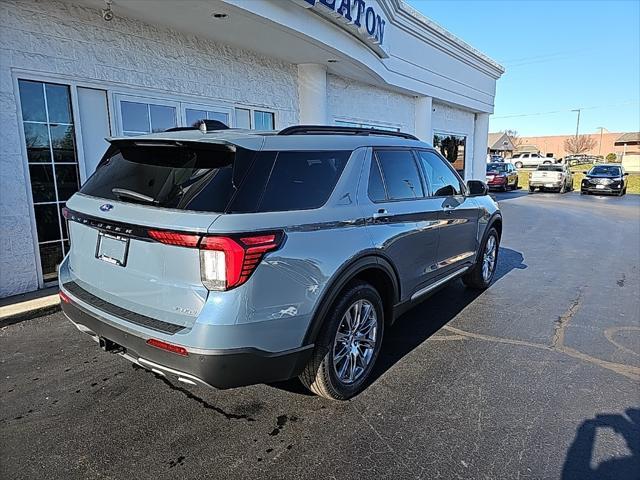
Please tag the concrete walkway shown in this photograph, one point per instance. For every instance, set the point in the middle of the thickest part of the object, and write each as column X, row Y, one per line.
column 28, row 305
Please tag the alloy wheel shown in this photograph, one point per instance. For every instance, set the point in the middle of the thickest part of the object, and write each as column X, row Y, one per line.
column 355, row 342
column 489, row 258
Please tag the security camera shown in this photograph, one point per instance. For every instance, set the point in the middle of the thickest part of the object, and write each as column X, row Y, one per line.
column 107, row 14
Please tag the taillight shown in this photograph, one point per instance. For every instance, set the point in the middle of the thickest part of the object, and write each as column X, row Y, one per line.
column 169, row 347
column 175, row 238
column 64, row 297
column 227, row 262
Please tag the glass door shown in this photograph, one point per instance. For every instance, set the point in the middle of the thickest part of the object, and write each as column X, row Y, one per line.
column 52, row 158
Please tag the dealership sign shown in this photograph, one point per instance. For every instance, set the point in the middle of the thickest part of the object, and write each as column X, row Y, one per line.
column 356, row 16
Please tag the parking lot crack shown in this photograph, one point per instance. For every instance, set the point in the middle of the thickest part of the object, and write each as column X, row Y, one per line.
column 563, row 321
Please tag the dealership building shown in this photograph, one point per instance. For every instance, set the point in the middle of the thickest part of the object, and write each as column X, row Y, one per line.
column 73, row 73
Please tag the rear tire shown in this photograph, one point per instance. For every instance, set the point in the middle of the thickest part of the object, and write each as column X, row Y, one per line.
column 481, row 275
column 515, row 185
column 342, row 351
column 532, row 189
column 518, row 164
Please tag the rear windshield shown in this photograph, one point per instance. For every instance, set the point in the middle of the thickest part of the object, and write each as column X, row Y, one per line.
column 549, row 168
column 497, row 167
column 215, row 179
column 605, row 170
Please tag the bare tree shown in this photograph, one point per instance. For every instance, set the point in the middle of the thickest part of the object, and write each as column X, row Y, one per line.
column 579, row 144
column 514, row 137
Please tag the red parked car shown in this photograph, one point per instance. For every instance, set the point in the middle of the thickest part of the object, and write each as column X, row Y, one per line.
column 502, row 176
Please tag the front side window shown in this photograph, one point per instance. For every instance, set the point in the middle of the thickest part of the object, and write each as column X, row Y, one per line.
column 49, row 133
column 441, row 179
column 452, row 147
column 400, row 173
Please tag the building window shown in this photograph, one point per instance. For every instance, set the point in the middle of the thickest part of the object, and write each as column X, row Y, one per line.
column 139, row 118
column 254, row 119
column 263, row 120
column 243, row 118
column 452, row 147
column 344, row 123
column 194, row 115
column 49, row 133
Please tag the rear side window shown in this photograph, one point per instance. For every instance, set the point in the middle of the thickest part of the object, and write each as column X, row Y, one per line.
column 400, row 174
column 302, row 180
column 186, row 178
column 441, row 179
column 376, row 187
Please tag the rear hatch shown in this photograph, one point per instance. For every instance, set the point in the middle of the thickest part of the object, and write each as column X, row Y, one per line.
column 140, row 192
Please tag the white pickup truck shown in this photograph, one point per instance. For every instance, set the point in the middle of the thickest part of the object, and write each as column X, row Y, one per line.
column 531, row 160
column 552, row 177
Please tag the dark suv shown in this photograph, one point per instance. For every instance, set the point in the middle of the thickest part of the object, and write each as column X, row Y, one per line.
column 233, row 257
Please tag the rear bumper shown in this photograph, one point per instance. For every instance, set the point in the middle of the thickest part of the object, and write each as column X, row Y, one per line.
column 216, row 368
column 554, row 184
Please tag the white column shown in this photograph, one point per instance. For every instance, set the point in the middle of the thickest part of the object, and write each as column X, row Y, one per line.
column 480, row 139
column 312, row 91
column 422, row 121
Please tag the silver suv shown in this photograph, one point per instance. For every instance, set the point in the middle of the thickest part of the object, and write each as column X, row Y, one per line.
column 231, row 257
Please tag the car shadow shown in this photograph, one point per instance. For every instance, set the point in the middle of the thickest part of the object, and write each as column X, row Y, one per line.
column 421, row 322
column 501, row 196
column 578, row 462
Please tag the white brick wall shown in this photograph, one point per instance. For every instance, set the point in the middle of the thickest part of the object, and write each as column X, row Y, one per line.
column 74, row 42
column 356, row 101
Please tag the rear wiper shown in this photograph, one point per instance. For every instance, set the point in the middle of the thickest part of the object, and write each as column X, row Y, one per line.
column 123, row 192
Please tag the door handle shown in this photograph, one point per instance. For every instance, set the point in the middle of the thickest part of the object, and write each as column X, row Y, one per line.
column 448, row 209
column 381, row 214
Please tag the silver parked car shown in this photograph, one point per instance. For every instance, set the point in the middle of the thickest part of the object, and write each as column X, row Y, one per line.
column 232, row 257
column 522, row 160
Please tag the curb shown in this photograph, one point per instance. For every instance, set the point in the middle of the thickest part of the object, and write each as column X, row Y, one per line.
column 28, row 305
column 28, row 315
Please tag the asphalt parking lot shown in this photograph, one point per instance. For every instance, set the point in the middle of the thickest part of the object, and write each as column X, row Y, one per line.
column 538, row 377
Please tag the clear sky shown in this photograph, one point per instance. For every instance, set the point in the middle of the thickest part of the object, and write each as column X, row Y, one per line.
column 558, row 56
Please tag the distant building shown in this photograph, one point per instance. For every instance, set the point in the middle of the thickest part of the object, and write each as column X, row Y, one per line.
column 628, row 151
column 500, row 144
column 554, row 144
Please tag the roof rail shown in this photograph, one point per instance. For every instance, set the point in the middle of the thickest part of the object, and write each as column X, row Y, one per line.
column 208, row 126
column 337, row 130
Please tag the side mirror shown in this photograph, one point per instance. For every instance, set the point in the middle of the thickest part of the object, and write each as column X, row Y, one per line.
column 477, row 188
column 585, row 172
column 626, row 174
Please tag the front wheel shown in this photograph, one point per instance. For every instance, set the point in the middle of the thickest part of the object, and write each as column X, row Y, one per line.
column 518, row 164
column 532, row 189
column 481, row 274
column 348, row 345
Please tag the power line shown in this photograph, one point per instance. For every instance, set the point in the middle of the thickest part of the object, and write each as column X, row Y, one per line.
column 553, row 112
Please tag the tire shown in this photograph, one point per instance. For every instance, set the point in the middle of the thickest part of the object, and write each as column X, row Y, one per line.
column 624, row 191
column 515, row 185
column 532, row 189
column 320, row 375
column 475, row 278
column 563, row 188
column 518, row 164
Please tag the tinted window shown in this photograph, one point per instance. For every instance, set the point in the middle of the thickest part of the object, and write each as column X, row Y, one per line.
column 400, row 174
column 187, row 178
column 376, row 187
column 440, row 177
column 302, row 180
column 498, row 167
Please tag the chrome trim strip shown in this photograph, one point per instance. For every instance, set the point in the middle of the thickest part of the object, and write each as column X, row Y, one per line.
column 428, row 288
column 451, row 260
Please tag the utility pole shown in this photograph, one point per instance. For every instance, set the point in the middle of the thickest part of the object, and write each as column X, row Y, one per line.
column 600, row 146
column 578, row 122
